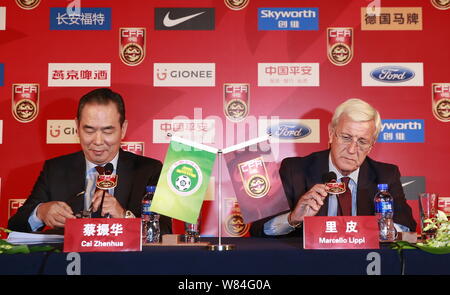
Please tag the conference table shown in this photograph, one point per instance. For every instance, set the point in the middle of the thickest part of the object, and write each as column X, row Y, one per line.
column 251, row 256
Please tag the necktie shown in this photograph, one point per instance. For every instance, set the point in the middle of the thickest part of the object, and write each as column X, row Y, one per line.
column 345, row 199
column 91, row 188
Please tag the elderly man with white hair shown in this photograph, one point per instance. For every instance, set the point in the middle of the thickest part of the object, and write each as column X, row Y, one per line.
column 353, row 131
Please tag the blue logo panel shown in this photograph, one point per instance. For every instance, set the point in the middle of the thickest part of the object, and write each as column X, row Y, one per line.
column 87, row 18
column 288, row 19
column 412, row 130
column 2, row 74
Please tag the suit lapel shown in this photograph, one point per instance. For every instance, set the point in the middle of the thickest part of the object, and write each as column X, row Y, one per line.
column 366, row 192
column 318, row 168
column 125, row 177
column 77, row 174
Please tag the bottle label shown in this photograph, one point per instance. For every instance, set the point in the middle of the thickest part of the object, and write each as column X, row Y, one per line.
column 146, row 209
column 383, row 207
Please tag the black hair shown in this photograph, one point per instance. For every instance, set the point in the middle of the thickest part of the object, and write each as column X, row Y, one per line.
column 103, row 96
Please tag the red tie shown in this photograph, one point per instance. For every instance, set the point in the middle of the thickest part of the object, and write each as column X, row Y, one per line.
column 345, row 199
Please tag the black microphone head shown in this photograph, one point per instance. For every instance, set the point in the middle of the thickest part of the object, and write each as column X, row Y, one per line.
column 109, row 168
column 329, row 177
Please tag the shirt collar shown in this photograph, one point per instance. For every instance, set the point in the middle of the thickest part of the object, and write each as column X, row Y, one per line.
column 91, row 166
column 353, row 176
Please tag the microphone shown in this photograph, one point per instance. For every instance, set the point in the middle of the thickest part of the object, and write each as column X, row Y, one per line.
column 105, row 182
column 329, row 177
column 109, row 168
column 332, row 186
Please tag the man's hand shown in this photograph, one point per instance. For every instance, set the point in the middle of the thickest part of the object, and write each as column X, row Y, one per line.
column 55, row 213
column 308, row 204
column 110, row 205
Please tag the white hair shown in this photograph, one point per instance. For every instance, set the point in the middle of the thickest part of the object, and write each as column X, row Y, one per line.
column 359, row 111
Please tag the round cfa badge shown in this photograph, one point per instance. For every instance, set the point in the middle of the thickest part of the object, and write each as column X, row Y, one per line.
column 340, row 53
column 235, row 226
column 442, row 109
column 132, row 54
column 25, row 110
column 236, row 4
column 258, row 186
column 236, row 110
column 441, row 4
column 28, row 4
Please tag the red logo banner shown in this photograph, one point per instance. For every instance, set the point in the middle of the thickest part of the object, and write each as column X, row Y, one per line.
column 340, row 232
column 102, row 235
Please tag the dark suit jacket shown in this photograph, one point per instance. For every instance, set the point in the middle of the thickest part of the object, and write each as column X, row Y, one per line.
column 62, row 178
column 299, row 174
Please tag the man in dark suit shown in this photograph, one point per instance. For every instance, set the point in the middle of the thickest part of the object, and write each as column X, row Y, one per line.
column 66, row 184
column 352, row 133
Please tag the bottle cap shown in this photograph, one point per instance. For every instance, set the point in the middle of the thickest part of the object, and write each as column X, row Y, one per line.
column 383, row 186
column 150, row 188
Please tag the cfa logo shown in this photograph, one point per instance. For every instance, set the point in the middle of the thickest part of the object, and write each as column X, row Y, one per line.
column 133, row 147
column 26, row 88
column 442, row 88
column 236, row 88
column 14, row 205
column 126, row 33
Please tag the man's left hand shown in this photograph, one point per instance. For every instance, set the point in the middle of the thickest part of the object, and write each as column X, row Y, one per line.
column 110, row 205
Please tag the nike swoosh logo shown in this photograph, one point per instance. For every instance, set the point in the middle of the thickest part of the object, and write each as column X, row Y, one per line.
column 407, row 183
column 168, row 22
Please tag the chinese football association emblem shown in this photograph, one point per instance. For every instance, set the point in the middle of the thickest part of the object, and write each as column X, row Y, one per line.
column 234, row 223
column 25, row 102
column 441, row 4
column 184, row 177
column 28, row 4
column 132, row 45
column 441, row 101
column 340, row 45
column 236, row 4
column 254, row 177
column 236, row 101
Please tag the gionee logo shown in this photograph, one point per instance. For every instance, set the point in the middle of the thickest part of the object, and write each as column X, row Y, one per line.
column 55, row 133
column 168, row 22
column 161, row 76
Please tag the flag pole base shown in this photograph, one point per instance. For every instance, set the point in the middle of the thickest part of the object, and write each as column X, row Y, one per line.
column 223, row 247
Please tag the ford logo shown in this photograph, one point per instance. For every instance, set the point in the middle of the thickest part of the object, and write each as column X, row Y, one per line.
column 289, row 130
column 392, row 74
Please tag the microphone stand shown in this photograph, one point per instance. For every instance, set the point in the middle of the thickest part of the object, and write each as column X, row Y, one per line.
column 220, row 246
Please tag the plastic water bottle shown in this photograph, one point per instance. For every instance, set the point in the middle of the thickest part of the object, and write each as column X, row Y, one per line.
column 150, row 220
column 384, row 210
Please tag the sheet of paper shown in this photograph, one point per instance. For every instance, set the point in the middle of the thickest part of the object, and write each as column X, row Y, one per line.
column 33, row 238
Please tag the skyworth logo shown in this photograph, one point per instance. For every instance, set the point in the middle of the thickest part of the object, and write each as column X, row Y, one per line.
column 288, row 19
column 412, row 130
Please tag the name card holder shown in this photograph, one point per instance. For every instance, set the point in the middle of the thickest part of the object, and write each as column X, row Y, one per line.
column 340, row 232
column 102, row 235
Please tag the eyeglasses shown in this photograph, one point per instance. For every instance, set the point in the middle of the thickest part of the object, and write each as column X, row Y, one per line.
column 346, row 139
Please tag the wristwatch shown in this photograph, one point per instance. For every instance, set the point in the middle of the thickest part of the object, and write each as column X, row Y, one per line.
column 294, row 226
column 129, row 214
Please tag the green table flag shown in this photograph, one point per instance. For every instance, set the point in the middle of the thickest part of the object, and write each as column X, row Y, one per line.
column 184, row 180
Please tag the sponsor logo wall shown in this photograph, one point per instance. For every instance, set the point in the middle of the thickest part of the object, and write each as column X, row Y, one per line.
column 221, row 73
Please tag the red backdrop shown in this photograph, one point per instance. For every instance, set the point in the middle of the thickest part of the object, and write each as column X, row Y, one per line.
column 235, row 46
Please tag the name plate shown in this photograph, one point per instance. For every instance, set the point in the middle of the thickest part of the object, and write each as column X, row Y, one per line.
column 340, row 232
column 102, row 235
